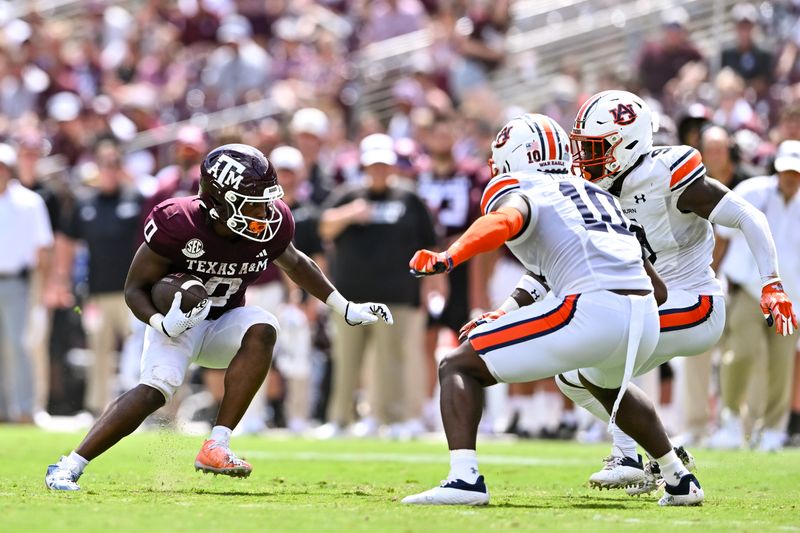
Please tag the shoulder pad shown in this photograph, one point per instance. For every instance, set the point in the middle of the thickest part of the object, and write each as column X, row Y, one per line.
column 497, row 187
column 685, row 166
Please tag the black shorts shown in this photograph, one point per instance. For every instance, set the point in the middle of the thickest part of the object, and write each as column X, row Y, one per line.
column 456, row 310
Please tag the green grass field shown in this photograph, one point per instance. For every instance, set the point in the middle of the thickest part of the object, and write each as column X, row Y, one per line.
column 148, row 483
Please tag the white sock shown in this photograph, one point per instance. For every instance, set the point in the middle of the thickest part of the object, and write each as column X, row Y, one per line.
column 464, row 465
column 221, row 435
column 672, row 469
column 76, row 463
column 553, row 407
column 516, row 404
column 532, row 418
column 622, row 445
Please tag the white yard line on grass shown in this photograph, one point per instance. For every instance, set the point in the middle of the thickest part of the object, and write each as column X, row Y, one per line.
column 429, row 458
column 667, row 520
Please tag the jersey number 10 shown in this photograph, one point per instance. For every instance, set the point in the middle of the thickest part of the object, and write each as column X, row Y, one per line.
column 610, row 217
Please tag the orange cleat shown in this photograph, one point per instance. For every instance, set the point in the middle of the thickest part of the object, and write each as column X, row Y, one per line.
column 219, row 459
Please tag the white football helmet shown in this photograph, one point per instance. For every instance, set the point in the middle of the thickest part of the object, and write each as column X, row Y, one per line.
column 531, row 142
column 612, row 129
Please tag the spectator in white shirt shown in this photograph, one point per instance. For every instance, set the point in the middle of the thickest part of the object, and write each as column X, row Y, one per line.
column 26, row 239
column 757, row 367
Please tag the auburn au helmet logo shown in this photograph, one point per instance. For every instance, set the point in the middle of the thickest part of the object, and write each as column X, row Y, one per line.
column 623, row 114
column 502, row 137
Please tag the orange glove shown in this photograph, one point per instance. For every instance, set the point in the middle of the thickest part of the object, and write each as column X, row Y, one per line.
column 777, row 308
column 487, row 233
column 491, row 316
column 427, row 263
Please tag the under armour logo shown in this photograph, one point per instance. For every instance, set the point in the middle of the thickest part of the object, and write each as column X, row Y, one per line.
column 677, row 476
column 378, row 310
column 639, row 198
column 473, row 470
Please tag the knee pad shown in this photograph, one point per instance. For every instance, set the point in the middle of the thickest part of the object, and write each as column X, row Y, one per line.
column 570, row 384
column 165, row 379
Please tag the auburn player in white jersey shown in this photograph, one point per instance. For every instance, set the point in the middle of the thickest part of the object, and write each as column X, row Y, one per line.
column 603, row 319
column 666, row 194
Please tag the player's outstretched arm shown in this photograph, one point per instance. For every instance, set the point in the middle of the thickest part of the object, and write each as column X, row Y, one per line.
column 487, row 233
column 710, row 199
column 302, row 270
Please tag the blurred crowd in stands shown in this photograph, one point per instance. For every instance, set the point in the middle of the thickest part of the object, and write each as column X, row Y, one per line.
column 88, row 107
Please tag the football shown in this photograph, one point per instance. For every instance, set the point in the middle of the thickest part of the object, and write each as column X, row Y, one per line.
column 164, row 290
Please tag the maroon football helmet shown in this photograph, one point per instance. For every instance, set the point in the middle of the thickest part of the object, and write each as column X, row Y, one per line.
column 236, row 182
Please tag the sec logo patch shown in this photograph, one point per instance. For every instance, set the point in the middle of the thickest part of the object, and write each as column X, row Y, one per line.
column 193, row 249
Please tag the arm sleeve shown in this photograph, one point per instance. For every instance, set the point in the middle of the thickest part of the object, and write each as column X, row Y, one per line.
column 733, row 211
column 487, row 233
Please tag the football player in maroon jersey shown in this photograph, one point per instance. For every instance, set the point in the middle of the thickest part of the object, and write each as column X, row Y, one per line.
column 226, row 235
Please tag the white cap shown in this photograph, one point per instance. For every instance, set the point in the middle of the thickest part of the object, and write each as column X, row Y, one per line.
column 788, row 156
column 286, row 157
column 64, row 106
column 675, row 17
column 378, row 148
column 192, row 135
column 234, row 29
column 8, row 156
column 288, row 29
column 309, row 120
column 17, row 31
column 744, row 12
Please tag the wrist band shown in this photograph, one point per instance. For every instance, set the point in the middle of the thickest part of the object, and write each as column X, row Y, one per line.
column 157, row 323
column 337, row 302
column 509, row 305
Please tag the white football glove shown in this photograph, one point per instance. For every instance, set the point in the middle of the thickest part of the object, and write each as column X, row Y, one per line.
column 366, row 313
column 176, row 321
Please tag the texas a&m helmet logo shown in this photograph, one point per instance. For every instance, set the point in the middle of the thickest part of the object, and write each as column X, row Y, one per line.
column 623, row 114
column 227, row 171
column 502, row 137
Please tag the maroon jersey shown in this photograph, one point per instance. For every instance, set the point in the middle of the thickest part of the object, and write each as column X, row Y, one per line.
column 180, row 230
column 454, row 199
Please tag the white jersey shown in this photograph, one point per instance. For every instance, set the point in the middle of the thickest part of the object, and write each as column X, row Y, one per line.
column 680, row 244
column 577, row 236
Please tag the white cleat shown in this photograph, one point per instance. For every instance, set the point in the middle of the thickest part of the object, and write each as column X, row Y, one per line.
column 618, row 473
column 452, row 492
column 771, row 441
column 60, row 477
column 686, row 492
column 730, row 435
column 652, row 473
column 329, row 431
